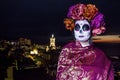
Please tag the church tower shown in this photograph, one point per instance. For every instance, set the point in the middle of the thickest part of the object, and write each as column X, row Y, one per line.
column 52, row 42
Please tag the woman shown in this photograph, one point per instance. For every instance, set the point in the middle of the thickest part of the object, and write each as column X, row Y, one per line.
column 80, row 60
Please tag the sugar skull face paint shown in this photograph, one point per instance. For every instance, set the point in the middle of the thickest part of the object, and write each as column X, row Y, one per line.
column 82, row 30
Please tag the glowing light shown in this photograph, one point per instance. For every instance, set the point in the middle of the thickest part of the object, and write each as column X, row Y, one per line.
column 35, row 51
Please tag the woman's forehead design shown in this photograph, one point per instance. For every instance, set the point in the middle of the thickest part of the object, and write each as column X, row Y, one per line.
column 82, row 22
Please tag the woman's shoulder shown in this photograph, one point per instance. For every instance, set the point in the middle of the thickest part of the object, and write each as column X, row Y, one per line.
column 100, row 52
column 98, row 49
column 69, row 45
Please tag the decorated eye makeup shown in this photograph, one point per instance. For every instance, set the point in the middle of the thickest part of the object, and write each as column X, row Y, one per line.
column 86, row 27
column 77, row 27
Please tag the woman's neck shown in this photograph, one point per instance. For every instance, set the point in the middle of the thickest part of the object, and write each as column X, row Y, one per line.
column 86, row 43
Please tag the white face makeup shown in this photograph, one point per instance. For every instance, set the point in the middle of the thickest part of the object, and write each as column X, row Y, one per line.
column 82, row 30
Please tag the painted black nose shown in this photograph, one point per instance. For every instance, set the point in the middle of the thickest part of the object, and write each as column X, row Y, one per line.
column 80, row 31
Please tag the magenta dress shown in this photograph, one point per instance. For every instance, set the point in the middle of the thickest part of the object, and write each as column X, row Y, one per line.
column 83, row 63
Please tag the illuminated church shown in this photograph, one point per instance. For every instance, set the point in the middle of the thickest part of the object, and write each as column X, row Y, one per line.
column 52, row 42
column 52, row 45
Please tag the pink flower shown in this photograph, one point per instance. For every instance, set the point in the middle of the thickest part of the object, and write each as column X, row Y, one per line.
column 76, row 11
column 98, row 31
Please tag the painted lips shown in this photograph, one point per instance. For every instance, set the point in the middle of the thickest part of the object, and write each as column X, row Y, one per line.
column 81, row 36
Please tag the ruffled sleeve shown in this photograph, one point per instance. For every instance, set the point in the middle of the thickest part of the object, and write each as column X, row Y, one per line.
column 64, row 64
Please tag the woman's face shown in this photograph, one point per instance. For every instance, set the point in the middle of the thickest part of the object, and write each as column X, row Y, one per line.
column 82, row 30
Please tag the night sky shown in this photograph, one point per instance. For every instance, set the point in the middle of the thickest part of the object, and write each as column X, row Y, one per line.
column 38, row 19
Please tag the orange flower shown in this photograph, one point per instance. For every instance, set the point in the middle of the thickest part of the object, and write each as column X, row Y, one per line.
column 69, row 24
column 90, row 11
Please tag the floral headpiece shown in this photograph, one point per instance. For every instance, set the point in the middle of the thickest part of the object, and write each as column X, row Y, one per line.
column 88, row 12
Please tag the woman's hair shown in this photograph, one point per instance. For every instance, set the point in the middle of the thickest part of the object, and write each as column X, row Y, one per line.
column 88, row 12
